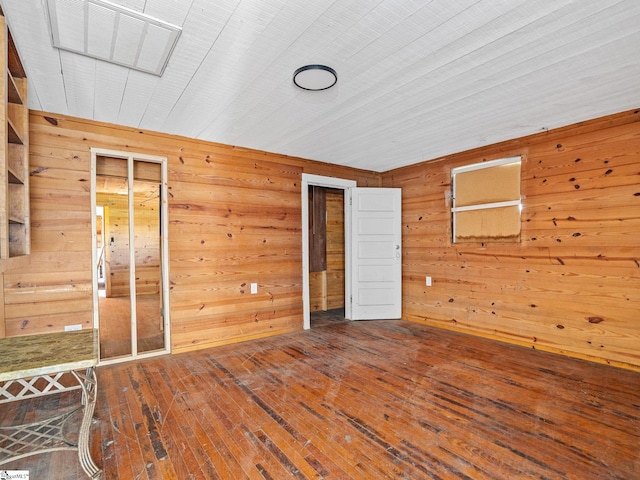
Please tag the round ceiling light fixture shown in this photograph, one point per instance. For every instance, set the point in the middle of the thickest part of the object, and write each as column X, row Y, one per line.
column 315, row 77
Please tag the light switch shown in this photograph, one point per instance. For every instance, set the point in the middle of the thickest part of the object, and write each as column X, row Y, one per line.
column 254, row 288
column 428, row 281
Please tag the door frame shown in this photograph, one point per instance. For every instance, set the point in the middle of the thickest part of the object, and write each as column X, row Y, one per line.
column 329, row 182
column 164, row 248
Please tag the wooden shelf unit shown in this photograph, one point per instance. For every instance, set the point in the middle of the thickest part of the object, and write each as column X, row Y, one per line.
column 14, row 155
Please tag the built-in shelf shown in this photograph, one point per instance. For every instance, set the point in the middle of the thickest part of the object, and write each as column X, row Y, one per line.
column 14, row 157
column 18, row 241
column 13, row 95
column 12, row 177
column 15, row 165
column 13, row 135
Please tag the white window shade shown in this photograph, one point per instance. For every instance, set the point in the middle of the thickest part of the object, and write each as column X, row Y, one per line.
column 112, row 33
column 486, row 201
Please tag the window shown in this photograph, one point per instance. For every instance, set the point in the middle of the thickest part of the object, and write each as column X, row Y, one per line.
column 486, row 201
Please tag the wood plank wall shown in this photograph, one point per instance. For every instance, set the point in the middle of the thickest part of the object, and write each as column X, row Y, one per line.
column 335, row 249
column 572, row 285
column 234, row 218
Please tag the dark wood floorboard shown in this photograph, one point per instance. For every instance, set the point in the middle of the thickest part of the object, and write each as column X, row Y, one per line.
column 327, row 317
column 365, row 400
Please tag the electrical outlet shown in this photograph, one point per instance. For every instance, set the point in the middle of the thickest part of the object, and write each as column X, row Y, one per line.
column 72, row 328
column 254, row 288
column 428, row 281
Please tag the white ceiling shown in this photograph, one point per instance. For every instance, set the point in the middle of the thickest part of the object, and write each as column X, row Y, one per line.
column 417, row 79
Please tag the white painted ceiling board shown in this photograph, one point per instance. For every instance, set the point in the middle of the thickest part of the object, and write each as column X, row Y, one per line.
column 388, row 83
column 237, row 58
column 29, row 23
column 416, row 80
column 201, row 28
column 79, row 87
column 407, row 109
column 110, row 81
column 138, row 93
column 277, row 74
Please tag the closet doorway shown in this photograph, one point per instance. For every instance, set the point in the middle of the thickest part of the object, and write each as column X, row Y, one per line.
column 130, row 287
column 326, row 256
column 335, row 186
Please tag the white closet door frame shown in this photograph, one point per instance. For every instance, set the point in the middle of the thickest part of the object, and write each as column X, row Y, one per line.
column 329, row 182
column 164, row 266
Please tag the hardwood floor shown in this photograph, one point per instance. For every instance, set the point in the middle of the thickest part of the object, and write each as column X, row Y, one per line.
column 365, row 400
column 327, row 317
column 115, row 325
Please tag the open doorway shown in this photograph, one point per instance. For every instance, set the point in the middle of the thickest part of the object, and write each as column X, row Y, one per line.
column 372, row 249
column 337, row 187
column 130, row 264
column 326, row 256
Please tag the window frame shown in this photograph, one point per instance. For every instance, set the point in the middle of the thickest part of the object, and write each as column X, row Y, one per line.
column 482, row 206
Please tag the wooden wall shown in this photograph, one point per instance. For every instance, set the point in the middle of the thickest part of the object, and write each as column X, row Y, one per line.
column 572, row 284
column 335, row 249
column 234, row 218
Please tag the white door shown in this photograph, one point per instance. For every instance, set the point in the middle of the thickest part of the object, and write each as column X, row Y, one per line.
column 376, row 253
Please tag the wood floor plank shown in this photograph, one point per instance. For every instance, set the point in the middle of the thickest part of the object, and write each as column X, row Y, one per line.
column 387, row 424
column 362, row 400
column 204, row 443
column 152, row 402
column 221, row 412
column 130, row 452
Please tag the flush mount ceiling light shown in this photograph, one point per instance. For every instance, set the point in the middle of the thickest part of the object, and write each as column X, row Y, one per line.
column 315, row 77
column 109, row 32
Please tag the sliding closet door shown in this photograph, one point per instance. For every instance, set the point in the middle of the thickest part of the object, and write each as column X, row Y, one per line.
column 131, row 290
column 114, row 290
column 147, row 256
